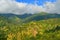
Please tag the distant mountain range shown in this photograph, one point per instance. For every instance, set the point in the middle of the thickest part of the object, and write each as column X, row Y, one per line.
column 12, row 15
column 30, row 17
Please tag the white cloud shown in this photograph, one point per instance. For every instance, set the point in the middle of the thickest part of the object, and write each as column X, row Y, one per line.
column 11, row 6
column 34, row 9
column 49, row 7
column 6, row 6
column 58, row 6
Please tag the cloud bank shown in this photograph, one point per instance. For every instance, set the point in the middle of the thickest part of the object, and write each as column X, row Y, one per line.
column 58, row 6
column 11, row 6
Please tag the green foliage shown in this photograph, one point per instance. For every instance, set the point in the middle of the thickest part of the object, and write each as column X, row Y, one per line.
column 35, row 30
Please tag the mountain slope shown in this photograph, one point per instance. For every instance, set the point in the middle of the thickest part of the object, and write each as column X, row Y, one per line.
column 30, row 17
column 7, row 15
column 37, row 17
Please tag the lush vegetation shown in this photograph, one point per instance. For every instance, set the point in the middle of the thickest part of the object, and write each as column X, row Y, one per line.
column 13, row 29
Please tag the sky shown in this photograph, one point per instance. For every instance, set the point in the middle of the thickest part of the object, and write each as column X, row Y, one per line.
column 39, row 2
column 29, row 6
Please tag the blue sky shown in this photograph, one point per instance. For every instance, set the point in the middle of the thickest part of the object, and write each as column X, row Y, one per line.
column 40, row 2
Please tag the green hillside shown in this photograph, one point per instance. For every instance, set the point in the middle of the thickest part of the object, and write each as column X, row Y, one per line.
column 41, row 16
column 13, row 29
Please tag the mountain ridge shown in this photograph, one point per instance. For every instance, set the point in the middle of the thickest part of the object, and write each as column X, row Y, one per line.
column 31, row 17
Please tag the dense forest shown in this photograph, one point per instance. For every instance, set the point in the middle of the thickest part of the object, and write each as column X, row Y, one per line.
column 14, row 28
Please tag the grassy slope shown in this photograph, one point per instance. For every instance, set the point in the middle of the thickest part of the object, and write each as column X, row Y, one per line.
column 36, row 30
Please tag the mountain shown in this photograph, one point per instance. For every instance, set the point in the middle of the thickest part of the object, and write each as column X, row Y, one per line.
column 40, row 26
column 41, row 16
column 22, row 16
column 13, row 18
column 30, row 17
column 36, row 30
